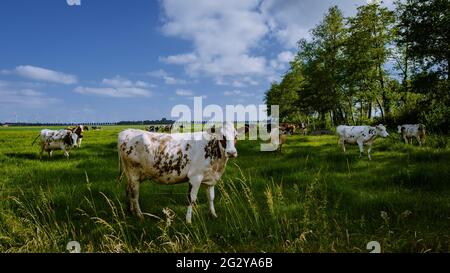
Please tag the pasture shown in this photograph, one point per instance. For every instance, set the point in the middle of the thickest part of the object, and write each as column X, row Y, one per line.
column 310, row 198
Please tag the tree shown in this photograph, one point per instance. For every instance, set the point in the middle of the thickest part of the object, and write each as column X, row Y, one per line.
column 425, row 34
column 371, row 33
column 321, row 62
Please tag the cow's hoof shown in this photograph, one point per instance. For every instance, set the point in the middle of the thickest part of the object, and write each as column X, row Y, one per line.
column 213, row 215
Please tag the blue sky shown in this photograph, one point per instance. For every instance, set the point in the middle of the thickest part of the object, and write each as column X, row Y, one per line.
column 133, row 60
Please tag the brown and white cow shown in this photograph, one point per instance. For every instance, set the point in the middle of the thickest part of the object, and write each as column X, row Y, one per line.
column 277, row 138
column 79, row 131
column 51, row 140
column 410, row 131
column 288, row 128
column 198, row 158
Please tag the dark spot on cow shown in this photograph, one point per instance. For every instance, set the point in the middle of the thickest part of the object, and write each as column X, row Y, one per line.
column 135, row 165
column 372, row 131
column 176, row 164
column 130, row 150
column 68, row 138
column 123, row 146
column 188, row 146
column 212, row 149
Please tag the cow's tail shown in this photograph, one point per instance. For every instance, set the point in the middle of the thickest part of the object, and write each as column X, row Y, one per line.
column 34, row 141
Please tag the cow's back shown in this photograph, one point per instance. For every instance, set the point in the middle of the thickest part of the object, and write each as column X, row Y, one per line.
column 162, row 157
column 341, row 130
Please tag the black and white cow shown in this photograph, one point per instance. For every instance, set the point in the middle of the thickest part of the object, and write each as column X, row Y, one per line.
column 410, row 131
column 52, row 140
column 361, row 135
column 199, row 158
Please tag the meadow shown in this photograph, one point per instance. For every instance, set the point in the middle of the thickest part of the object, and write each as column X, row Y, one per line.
column 311, row 197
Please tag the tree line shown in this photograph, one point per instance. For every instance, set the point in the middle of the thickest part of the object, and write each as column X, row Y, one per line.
column 379, row 66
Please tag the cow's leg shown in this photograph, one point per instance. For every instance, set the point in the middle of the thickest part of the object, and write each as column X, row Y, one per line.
column 50, row 153
column 42, row 152
column 194, row 185
column 210, row 194
column 406, row 139
column 361, row 148
column 418, row 140
column 79, row 142
column 133, row 197
column 66, row 154
column 368, row 151
column 342, row 142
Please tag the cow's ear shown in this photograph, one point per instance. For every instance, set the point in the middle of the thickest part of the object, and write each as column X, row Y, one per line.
column 211, row 130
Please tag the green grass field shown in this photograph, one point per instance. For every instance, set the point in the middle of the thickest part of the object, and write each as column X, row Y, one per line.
column 310, row 198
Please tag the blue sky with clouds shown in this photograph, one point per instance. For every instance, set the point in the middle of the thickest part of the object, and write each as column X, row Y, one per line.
column 133, row 60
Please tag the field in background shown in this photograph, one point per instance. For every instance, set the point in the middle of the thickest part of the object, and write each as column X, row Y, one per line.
column 310, row 198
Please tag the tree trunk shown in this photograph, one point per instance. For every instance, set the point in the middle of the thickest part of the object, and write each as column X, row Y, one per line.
column 381, row 109
column 369, row 114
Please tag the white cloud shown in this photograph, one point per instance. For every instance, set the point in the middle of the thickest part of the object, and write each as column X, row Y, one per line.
column 13, row 95
column 184, row 93
column 237, row 93
column 73, row 2
column 117, row 87
column 121, row 92
column 123, row 82
column 237, row 82
column 281, row 62
column 285, row 57
column 162, row 74
column 223, row 34
column 43, row 74
column 180, row 59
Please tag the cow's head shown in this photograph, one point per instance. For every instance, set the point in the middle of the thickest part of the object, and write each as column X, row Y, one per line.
column 79, row 130
column 227, row 135
column 399, row 129
column 381, row 130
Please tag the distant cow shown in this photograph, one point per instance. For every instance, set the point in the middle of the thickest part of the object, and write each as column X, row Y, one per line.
column 167, row 128
column 410, row 131
column 288, row 128
column 361, row 135
column 303, row 128
column 277, row 138
column 51, row 140
column 79, row 131
column 198, row 158
column 96, row 128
